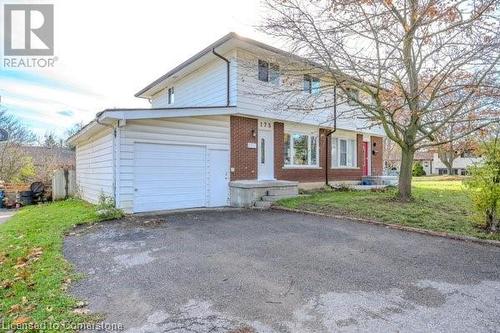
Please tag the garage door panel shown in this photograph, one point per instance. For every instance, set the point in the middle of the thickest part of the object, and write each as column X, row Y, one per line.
column 195, row 161
column 169, row 177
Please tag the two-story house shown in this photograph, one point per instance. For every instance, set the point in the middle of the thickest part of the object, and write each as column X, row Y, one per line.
column 216, row 123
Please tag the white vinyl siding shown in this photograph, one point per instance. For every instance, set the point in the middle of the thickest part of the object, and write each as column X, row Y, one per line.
column 94, row 167
column 206, row 86
column 211, row 133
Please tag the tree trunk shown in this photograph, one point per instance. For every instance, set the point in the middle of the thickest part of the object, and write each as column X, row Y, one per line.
column 405, row 175
column 450, row 169
column 492, row 220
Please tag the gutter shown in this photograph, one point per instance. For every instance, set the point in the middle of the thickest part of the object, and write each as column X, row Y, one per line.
column 228, row 64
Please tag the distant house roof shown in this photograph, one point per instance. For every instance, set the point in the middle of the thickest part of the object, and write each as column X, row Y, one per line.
column 59, row 156
column 423, row 156
column 419, row 156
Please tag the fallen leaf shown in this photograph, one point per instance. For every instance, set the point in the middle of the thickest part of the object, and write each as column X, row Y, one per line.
column 21, row 320
column 15, row 308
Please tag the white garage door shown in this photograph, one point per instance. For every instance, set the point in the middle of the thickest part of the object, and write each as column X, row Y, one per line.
column 169, row 177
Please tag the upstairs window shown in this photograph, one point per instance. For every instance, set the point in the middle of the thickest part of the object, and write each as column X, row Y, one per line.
column 311, row 84
column 353, row 95
column 171, row 96
column 344, row 153
column 269, row 72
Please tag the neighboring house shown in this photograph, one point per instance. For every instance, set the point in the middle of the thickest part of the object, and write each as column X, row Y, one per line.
column 460, row 164
column 210, row 127
column 432, row 164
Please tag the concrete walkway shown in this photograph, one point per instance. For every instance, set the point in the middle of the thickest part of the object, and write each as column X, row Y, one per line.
column 6, row 214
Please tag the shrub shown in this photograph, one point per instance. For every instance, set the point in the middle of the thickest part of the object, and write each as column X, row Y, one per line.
column 484, row 185
column 106, row 209
column 418, row 170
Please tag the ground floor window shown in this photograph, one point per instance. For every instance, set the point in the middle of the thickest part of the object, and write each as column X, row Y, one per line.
column 301, row 149
column 344, row 153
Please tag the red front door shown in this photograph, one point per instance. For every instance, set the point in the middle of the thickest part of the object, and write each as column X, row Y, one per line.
column 365, row 158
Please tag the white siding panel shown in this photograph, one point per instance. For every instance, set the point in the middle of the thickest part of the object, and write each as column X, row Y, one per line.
column 208, row 132
column 207, row 86
column 268, row 100
column 94, row 167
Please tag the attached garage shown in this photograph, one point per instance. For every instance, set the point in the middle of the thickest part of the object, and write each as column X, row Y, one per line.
column 169, row 177
column 160, row 164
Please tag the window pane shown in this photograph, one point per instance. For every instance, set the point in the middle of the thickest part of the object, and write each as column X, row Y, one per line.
column 315, row 86
column 307, row 83
column 343, row 152
column 288, row 150
column 263, row 70
column 352, row 153
column 300, row 149
column 171, row 95
column 314, row 146
column 335, row 159
column 262, row 151
column 274, row 74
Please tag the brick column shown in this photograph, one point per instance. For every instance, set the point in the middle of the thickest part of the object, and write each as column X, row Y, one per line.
column 243, row 159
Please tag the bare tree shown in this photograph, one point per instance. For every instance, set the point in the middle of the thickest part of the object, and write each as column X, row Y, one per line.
column 406, row 57
column 14, row 164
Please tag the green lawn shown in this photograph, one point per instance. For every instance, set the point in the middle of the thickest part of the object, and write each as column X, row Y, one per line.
column 34, row 275
column 440, row 205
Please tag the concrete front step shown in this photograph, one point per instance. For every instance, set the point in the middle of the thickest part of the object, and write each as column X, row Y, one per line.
column 273, row 198
column 289, row 190
column 262, row 204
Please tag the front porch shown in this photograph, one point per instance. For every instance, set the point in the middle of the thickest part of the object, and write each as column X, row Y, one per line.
column 251, row 193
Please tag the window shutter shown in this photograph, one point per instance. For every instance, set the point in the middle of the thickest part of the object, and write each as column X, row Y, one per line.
column 335, row 153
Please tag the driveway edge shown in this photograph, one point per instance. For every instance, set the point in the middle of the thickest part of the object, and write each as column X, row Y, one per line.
column 395, row 226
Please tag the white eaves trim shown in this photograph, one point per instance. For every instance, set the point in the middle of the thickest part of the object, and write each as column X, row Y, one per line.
column 112, row 117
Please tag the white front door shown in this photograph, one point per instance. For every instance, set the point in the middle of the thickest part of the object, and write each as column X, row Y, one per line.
column 265, row 155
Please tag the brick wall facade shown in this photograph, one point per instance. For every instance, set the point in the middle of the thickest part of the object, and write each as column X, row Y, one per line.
column 243, row 159
column 316, row 174
column 377, row 146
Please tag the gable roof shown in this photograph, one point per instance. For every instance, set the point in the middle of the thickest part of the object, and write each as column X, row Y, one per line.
column 148, row 91
column 230, row 37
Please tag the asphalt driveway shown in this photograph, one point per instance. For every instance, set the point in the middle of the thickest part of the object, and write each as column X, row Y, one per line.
column 273, row 271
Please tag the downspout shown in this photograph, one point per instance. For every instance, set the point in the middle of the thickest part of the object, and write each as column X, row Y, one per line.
column 228, row 63
column 330, row 133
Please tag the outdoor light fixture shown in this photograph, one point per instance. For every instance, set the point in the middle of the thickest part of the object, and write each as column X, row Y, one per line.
column 254, row 134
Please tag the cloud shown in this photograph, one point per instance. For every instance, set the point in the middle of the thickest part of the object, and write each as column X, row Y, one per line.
column 66, row 113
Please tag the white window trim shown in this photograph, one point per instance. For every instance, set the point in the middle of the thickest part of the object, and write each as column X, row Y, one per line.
column 355, row 157
column 303, row 166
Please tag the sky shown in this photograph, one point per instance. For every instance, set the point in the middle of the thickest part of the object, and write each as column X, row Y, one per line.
column 108, row 50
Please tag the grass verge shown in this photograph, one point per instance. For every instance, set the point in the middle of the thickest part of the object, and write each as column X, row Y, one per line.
column 440, row 205
column 33, row 272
